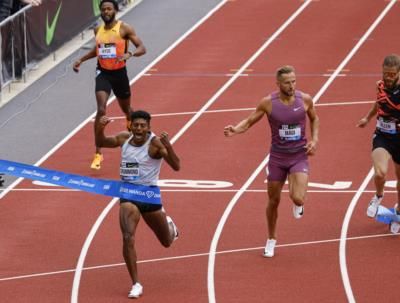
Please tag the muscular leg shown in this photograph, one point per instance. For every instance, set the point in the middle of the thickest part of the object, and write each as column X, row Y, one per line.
column 129, row 217
column 380, row 159
column 157, row 221
column 298, row 187
column 274, row 197
column 125, row 105
column 101, row 99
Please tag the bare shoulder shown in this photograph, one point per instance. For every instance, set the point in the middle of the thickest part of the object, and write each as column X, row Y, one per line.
column 265, row 104
column 308, row 101
column 126, row 29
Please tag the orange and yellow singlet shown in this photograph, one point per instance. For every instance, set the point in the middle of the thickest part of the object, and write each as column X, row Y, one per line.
column 109, row 46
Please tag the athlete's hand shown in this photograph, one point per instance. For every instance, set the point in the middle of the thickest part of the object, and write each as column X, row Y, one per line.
column 76, row 66
column 164, row 139
column 362, row 123
column 311, row 148
column 229, row 131
column 124, row 57
column 104, row 120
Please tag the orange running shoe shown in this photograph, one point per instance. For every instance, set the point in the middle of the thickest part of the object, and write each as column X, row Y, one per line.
column 98, row 158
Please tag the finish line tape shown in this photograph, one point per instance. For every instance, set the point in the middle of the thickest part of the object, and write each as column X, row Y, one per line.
column 113, row 188
column 386, row 215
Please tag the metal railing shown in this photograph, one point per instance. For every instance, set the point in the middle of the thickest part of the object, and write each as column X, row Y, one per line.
column 13, row 48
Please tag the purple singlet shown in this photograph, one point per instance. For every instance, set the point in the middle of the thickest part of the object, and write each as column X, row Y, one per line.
column 288, row 124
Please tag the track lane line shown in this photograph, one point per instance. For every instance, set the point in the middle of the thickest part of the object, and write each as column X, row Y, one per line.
column 189, row 256
column 232, row 203
column 93, row 231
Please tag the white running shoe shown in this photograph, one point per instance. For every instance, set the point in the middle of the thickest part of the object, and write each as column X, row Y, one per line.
column 298, row 211
column 269, row 248
column 394, row 227
column 174, row 228
column 372, row 209
column 136, row 291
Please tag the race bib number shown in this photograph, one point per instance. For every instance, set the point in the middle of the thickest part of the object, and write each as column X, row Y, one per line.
column 386, row 126
column 107, row 51
column 291, row 132
column 129, row 171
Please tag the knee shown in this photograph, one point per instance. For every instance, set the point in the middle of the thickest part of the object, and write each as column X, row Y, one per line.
column 380, row 174
column 128, row 238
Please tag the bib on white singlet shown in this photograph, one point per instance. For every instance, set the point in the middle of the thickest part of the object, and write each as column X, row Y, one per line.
column 129, row 171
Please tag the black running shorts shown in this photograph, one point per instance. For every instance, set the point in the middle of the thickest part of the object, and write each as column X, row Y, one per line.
column 143, row 207
column 116, row 80
column 391, row 144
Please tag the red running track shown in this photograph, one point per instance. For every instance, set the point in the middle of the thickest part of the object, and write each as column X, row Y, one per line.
column 45, row 228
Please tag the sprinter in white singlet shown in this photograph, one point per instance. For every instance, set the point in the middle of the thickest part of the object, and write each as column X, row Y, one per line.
column 141, row 156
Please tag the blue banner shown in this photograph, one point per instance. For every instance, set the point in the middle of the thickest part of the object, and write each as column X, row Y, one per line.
column 113, row 188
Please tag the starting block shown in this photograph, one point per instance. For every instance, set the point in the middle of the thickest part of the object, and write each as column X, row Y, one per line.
column 388, row 216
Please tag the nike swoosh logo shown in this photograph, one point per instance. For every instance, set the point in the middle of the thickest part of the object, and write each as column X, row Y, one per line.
column 296, row 109
column 52, row 28
column 96, row 9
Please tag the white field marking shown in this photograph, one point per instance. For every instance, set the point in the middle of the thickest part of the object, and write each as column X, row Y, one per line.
column 345, row 225
column 225, row 215
column 67, row 271
column 78, row 272
column 242, row 109
column 211, row 263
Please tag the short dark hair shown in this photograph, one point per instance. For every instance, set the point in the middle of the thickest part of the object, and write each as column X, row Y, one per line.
column 114, row 2
column 141, row 114
column 392, row 60
column 286, row 69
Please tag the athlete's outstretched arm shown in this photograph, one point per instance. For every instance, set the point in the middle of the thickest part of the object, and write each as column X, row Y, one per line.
column 314, row 124
column 89, row 55
column 372, row 112
column 109, row 141
column 263, row 107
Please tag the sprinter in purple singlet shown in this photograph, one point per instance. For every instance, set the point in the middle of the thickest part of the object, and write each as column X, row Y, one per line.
column 286, row 110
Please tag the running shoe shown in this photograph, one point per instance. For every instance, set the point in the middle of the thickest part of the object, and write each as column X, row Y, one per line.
column 394, row 227
column 372, row 209
column 298, row 211
column 269, row 248
column 136, row 291
column 98, row 158
column 174, row 228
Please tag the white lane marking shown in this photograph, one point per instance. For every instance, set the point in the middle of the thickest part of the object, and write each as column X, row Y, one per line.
column 345, row 225
column 105, row 266
column 78, row 273
column 218, row 231
column 343, row 237
column 236, row 197
column 216, row 111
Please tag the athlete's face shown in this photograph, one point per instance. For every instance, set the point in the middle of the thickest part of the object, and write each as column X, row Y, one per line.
column 390, row 76
column 108, row 12
column 287, row 84
column 139, row 128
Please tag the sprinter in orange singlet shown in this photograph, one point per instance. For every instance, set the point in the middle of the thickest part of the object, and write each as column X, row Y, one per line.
column 112, row 51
